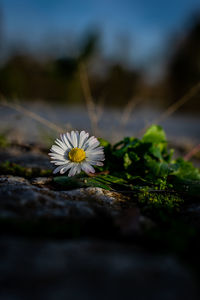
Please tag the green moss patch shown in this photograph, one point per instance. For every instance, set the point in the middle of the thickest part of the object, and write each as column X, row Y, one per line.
column 9, row 168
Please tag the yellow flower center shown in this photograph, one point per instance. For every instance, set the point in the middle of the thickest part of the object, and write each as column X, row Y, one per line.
column 77, row 155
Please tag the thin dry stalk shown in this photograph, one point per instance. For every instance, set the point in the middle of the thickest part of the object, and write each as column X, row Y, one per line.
column 19, row 108
column 100, row 109
column 192, row 152
column 88, row 98
column 129, row 108
column 174, row 107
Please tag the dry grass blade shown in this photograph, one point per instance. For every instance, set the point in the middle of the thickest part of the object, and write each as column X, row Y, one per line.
column 19, row 108
column 129, row 108
column 192, row 152
column 99, row 109
column 88, row 97
column 174, row 107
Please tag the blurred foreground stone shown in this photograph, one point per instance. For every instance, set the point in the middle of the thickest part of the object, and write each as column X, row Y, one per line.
column 88, row 269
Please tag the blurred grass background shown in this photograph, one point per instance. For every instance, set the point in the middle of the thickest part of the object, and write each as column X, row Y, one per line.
column 121, row 56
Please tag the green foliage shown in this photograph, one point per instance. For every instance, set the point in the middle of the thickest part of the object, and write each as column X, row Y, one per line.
column 144, row 161
column 104, row 181
column 144, row 167
column 9, row 168
column 185, row 170
column 155, row 134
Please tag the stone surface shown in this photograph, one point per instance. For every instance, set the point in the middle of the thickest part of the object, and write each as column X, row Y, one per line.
column 21, row 199
column 88, row 270
column 26, row 156
column 41, row 180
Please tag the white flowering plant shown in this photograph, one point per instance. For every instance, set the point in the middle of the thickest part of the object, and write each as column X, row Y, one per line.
column 76, row 152
column 143, row 166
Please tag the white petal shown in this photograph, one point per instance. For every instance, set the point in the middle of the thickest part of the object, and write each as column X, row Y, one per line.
column 74, row 170
column 94, row 145
column 63, row 168
column 70, row 139
column 56, row 156
column 56, row 170
column 78, row 138
column 95, row 163
column 91, row 144
column 87, row 168
column 74, row 139
column 57, row 150
column 95, row 156
column 78, row 168
column 93, row 141
column 67, row 167
column 100, row 148
column 58, row 159
column 93, row 153
column 83, row 138
column 60, row 163
column 66, row 141
column 61, row 144
column 62, row 137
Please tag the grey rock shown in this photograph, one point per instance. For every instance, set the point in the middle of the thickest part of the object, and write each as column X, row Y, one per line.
column 88, row 270
column 97, row 194
column 31, row 158
column 193, row 208
column 41, row 180
column 12, row 180
column 21, row 199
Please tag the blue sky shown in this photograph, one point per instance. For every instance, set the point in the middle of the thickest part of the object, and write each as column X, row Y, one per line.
column 147, row 23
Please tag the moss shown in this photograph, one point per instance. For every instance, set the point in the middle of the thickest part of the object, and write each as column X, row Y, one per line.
column 160, row 199
column 9, row 168
column 4, row 143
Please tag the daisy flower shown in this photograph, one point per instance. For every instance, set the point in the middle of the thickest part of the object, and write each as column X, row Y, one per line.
column 76, row 151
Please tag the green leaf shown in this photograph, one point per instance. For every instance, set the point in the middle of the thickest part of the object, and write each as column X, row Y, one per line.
column 104, row 143
column 155, row 151
column 68, row 183
column 155, row 134
column 106, row 182
column 185, row 170
column 127, row 161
